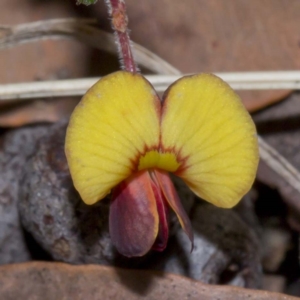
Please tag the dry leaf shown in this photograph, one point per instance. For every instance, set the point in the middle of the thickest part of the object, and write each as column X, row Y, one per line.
column 199, row 35
column 46, row 59
column 256, row 100
column 36, row 111
column 220, row 36
column 47, row 281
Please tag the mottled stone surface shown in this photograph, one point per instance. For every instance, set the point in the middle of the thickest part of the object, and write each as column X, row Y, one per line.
column 226, row 250
column 52, row 211
column 16, row 147
column 279, row 125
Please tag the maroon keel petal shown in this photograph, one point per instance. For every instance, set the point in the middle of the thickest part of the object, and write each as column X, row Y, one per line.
column 133, row 219
column 170, row 194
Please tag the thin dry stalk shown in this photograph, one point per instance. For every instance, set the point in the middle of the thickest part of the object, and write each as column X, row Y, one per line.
column 77, row 87
column 279, row 164
column 82, row 30
column 119, row 21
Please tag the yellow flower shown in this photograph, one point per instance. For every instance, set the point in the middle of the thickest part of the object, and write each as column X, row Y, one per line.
column 123, row 138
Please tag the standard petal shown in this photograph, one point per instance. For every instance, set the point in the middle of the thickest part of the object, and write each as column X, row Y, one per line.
column 213, row 136
column 133, row 219
column 115, row 122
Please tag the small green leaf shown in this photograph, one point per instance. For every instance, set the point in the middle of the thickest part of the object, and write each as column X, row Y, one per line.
column 86, row 2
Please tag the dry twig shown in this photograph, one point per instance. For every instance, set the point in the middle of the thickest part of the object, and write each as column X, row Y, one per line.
column 82, row 30
column 77, row 87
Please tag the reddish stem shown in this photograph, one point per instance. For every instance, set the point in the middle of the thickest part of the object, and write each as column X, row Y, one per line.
column 117, row 11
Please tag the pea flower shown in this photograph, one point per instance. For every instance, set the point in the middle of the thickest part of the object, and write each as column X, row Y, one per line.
column 123, row 139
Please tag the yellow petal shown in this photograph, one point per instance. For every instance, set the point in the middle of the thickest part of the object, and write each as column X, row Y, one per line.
column 115, row 122
column 213, row 137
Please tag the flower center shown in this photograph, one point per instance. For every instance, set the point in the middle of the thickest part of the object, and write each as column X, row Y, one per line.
column 153, row 159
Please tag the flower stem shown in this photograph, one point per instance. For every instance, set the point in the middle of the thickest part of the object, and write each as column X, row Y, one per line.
column 117, row 12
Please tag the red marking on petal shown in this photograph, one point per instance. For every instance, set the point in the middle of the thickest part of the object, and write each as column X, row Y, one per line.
column 162, row 209
column 171, row 196
column 133, row 219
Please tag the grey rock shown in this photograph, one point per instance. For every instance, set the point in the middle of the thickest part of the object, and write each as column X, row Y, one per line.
column 279, row 125
column 53, row 212
column 16, row 147
column 226, row 249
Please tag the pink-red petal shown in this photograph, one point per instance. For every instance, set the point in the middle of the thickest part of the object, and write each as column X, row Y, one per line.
column 162, row 209
column 171, row 196
column 133, row 219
